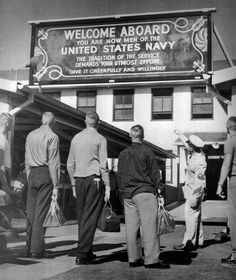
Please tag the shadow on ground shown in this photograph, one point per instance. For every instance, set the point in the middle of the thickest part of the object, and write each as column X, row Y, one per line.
column 17, row 255
column 178, row 257
column 120, row 256
column 210, row 242
column 98, row 247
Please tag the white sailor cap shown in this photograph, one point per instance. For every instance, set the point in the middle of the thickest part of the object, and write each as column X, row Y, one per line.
column 196, row 141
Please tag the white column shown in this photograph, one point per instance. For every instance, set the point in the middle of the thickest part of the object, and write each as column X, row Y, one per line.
column 4, row 107
column 69, row 97
column 232, row 108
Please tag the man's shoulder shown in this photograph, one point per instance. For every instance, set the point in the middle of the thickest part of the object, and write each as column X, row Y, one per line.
column 231, row 141
column 140, row 147
column 99, row 135
column 102, row 137
column 41, row 131
column 33, row 132
column 198, row 155
column 202, row 156
column 85, row 133
column 123, row 152
column 54, row 135
column 76, row 136
column 199, row 158
column 50, row 132
column 146, row 150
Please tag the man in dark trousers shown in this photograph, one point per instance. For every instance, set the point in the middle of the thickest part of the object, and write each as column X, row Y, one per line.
column 139, row 180
column 87, row 165
column 42, row 164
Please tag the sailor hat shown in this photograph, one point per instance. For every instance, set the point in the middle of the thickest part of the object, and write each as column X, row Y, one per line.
column 196, row 141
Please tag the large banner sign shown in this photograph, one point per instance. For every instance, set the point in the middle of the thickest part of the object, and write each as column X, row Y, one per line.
column 103, row 52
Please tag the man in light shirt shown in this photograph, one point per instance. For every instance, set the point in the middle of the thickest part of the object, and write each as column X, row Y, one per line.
column 5, row 155
column 87, row 165
column 228, row 169
column 42, row 164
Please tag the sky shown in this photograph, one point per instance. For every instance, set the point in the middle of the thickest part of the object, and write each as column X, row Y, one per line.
column 15, row 31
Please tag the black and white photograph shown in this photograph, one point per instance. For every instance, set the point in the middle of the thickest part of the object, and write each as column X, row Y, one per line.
column 117, row 139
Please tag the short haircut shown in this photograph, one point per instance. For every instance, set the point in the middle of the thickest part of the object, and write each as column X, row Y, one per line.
column 48, row 118
column 6, row 117
column 92, row 118
column 138, row 128
column 231, row 123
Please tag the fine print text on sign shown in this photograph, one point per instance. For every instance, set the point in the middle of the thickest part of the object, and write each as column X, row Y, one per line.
column 155, row 48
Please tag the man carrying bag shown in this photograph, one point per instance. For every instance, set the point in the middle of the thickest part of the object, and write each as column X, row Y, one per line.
column 87, row 167
column 42, row 164
column 138, row 180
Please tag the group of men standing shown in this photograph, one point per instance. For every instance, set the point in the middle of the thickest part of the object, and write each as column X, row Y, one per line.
column 138, row 178
column 139, row 185
column 87, row 167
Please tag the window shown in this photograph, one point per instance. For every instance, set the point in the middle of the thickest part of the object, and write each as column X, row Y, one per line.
column 55, row 95
column 202, row 104
column 4, row 98
column 169, row 167
column 123, row 105
column 86, row 101
column 162, row 103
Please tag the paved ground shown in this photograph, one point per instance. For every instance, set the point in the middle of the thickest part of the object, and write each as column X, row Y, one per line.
column 110, row 247
column 213, row 212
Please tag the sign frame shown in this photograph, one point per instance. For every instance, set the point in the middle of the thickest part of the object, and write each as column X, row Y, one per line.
column 124, row 20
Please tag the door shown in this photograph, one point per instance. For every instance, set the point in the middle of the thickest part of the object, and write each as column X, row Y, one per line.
column 212, row 177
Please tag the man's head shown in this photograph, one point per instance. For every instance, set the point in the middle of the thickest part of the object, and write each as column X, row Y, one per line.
column 91, row 119
column 6, row 121
column 137, row 133
column 231, row 125
column 48, row 118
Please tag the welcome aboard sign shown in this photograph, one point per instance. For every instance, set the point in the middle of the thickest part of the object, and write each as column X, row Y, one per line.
column 125, row 48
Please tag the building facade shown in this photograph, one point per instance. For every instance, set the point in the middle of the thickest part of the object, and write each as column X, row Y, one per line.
column 143, row 69
column 160, row 109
